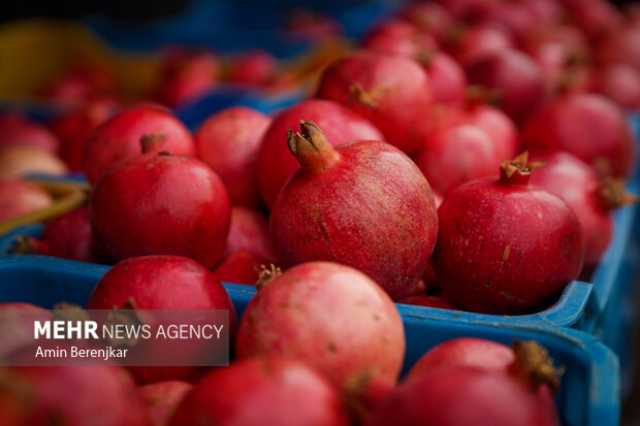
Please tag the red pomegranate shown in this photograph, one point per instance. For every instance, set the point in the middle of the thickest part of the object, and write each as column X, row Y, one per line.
column 620, row 83
column 497, row 125
column 17, row 130
column 228, row 142
column 119, row 138
column 186, row 76
column 621, row 47
column 506, row 247
column 428, row 301
column 19, row 197
column 249, row 231
column 70, row 236
column 591, row 199
column 430, row 17
column 241, row 267
column 254, row 68
column 162, row 400
column 262, row 391
column 474, row 43
column 460, row 395
column 276, row 163
column 393, row 92
column 330, row 317
column 161, row 204
column 363, row 204
column 588, row 126
column 396, row 37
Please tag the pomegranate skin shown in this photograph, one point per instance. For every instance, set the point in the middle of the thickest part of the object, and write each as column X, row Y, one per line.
column 588, row 126
column 276, row 164
column 119, row 138
column 241, row 267
column 428, row 301
column 331, row 317
column 430, row 17
column 506, row 248
column 249, row 231
column 72, row 395
column 17, row 130
column 70, row 236
column 255, row 68
column 463, row 395
column 229, row 142
column 161, row 204
column 162, row 400
column 456, row 155
column 262, row 391
column 620, row 83
column 578, row 185
column 75, row 128
column 515, row 79
column 497, row 125
column 371, row 210
column 393, row 92
column 448, row 81
column 187, row 75
column 464, row 351
column 161, row 282
column 396, row 37
column 479, row 41
column 20, row 197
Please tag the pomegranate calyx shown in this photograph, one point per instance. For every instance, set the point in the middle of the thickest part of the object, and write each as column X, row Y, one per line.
column 613, row 194
column 267, row 274
column 518, row 170
column 311, row 148
column 425, row 57
column 534, row 365
column 476, row 95
column 151, row 141
column 367, row 98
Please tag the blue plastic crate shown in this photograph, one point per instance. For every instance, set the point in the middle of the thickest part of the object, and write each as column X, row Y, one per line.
column 588, row 394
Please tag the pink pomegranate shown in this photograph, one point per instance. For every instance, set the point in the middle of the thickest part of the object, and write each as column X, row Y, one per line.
column 497, row 125
column 249, row 231
column 75, row 128
column 162, row 400
column 276, row 163
column 448, row 81
column 591, row 199
column 17, row 130
column 331, row 317
column 478, row 41
column 393, row 92
column 119, row 138
column 467, row 352
column 72, row 395
column 457, row 395
column 161, row 204
column 456, row 155
column 514, row 79
column 254, row 68
column 19, row 197
column 20, row 160
column 595, row 17
column 588, row 126
column 396, row 37
column 505, row 247
column 161, row 282
column 186, row 76
column 430, row 17
column 363, row 204
column 19, row 318
column 228, row 142
column 621, row 47
column 262, row 391
column 620, row 83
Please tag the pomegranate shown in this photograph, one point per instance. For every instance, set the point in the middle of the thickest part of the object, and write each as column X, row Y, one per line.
column 505, row 247
column 591, row 199
column 75, row 128
column 186, row 76
column 254, row 68
column 20, row 197
column 21, row 160
column 119, row 138
column 79, row 84
column 620, row 83
column 19, row 319
column 331, row 317
column 71, row 395
column 516, row 81
column 70, row 236
column 162, row 400
column 588, row 126
column 275, row 162
column 497, row 125
column 161, row 282
column 229, row 141
column 17, row 130
column 621, row 47
column 249, row 231
column 448, row 81
column 396, row 37
column 363, row 204
column 161, row 204
column 428, row 301
column 465, row 351
column 241, row 267
column 393, row 92
column 476, row 42
column 430, row 17
column 456, row 155
column 595, row 17
column 262, row 391
column 521, row 396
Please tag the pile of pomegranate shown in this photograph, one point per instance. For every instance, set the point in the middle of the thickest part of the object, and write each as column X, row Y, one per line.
column 467, row 156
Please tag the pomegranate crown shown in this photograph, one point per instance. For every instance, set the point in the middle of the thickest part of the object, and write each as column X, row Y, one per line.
column 613, row 194
column 311, row 148
column 518, row 169
column 534, row 366
column 267, row 274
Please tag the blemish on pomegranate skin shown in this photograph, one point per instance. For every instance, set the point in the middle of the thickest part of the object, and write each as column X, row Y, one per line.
column 506, row 253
